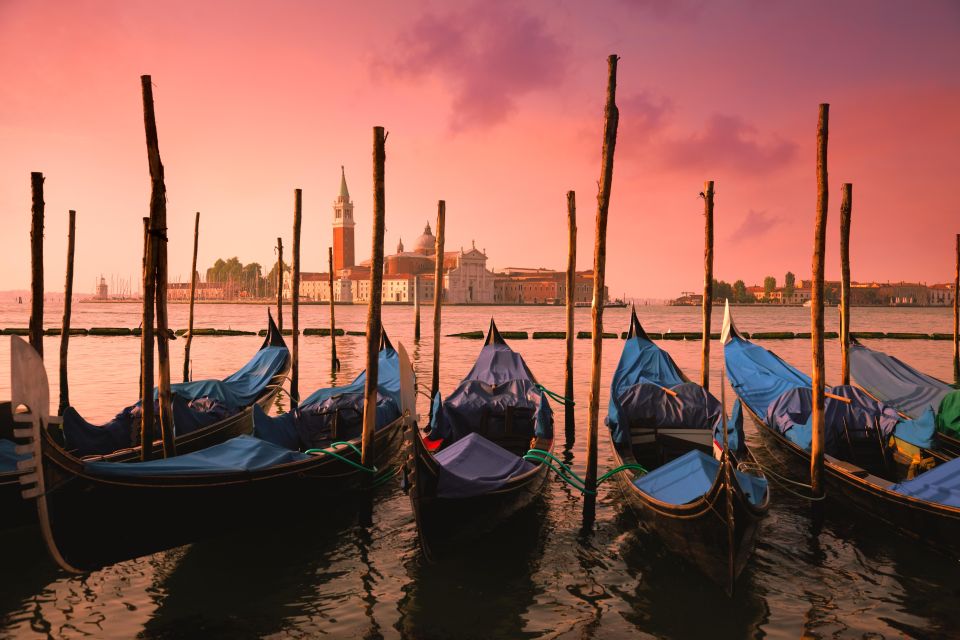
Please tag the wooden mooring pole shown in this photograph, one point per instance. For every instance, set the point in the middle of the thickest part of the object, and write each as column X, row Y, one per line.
column 846, row 209
column 193, row 295
column 816, row 305
column 437, row 300
column 374, row 330
column 295, row 300
column 146, row 348
column 570, row 423
column 334, row 362
column 611, row 119
column 280, row 284
column 707, row 282
column 36, row 263
column 67, row 308
column 956, row 318
column 158, row 241
column 416, row 308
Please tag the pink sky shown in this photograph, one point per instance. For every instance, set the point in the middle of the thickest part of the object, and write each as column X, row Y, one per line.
column 495, row 107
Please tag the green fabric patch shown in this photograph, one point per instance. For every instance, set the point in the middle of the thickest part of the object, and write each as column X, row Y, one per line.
column 948, row 417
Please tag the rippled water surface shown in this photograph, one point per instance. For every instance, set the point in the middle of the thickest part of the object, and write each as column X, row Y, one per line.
column 318, row 572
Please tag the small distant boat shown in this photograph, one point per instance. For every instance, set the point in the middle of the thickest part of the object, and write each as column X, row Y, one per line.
column 206, row 412
column 703, row 509
column 468, row 473
column 94, row 512
column 920, row 497
column 914, row 393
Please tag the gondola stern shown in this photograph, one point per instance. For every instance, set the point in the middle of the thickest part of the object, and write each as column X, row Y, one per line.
column 493, row 335
column 729, row 331
column 636, row 329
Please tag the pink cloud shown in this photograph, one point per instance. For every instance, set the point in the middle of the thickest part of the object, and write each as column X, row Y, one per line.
column 729, row 141
column 754, row 225
column 490, row 54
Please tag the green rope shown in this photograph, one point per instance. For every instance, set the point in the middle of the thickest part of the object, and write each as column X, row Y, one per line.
column 556, row 396
column 333, row 454
column 386, row 478
column 567, row 474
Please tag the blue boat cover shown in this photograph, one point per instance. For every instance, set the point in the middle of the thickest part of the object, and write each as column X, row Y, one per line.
column 499, row 379
column 758, row 376
column 195, row 405
column 637, row 396
column 474, row 465
column 690, row 477
column 309, row 426
column 859, row 420
column 239, row 454
column 9, row 456
column 896, row 382
column 940, row 484
column 919, row 431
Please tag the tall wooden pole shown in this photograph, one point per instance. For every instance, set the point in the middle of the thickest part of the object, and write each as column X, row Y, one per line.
column 816, row 304
column 146, row 348
column 416, row 308
column 376, row 293
column 611, row 120
column 707, row 282
column 158, row 238
column 295, row 299
column 280, row 284
column 956, row 318
column 36, row 263
column 193, row 294
column 334, row 362
column 846, row 209
column 67, row 307
column 437, row 300
column 570, row 425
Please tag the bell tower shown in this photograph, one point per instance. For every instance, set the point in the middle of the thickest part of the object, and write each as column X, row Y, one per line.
column 343, row 257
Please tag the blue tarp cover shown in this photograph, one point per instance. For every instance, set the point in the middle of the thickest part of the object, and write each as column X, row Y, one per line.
column 309, row 425
column 690, row 477
column 8, row 456
column 758, row 376
column 940, row 484
column 474, row 465
column 857, row 420
column 896, row 382
column 637, row 397
column 498, row 380
column 195, row 405
column 920, row 431
column 243, row 453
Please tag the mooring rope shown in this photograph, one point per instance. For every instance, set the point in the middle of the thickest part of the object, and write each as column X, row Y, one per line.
column 781, row 481
column 334, row 454
column 556, row 396
column 568, row 475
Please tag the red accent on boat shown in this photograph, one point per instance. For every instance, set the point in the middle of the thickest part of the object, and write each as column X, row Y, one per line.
column 432, row 444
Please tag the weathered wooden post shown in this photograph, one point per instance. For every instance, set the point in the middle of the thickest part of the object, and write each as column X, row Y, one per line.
column 334, row 362
column 416, row 308
column 846, row 208
column 295, row 300
column 158, row 240
column 146, row 348
column 570, row 424
column 36, row 263
column 437, row 300
column 193, row 294
column 611, row 119
column 280, row 284
column 816, row 305
column 707, row 282
column 956, row 318
column 67, row 307
column 367, row 454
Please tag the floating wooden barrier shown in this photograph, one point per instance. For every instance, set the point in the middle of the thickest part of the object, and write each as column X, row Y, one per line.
column 321, row 331
column 941, row 336
column 514, row 335
column 546, row 335
column 16, row 331
column 111, row 331
column 586, row 335
column 866, row 334
column 907, row 336
column 136, row 331
column 56, row 331
column 286, row 332
column 773, row 335
column 356, row 333
column 469, row 335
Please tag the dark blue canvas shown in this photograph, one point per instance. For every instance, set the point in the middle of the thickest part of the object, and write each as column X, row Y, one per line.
column 690, row 477
column 896, row 382
column 758, row 376
column 940, row 484
column 8, row 456
column 474, row 465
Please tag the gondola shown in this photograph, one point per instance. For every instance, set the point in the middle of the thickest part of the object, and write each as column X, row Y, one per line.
column 468, row 473
column 669, row 430
column 206, row 412
column 912, row 392
column 96, row 512
column 918, row 496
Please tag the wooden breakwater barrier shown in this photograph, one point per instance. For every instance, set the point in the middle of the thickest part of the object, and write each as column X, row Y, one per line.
column 479, row 335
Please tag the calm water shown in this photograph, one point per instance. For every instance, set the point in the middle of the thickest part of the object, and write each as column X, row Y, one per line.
column 318, row 573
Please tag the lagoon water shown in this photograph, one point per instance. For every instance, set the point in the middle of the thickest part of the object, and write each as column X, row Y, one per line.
column 539, row 576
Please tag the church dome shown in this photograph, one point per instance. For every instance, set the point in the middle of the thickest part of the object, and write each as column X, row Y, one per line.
column 427, row 243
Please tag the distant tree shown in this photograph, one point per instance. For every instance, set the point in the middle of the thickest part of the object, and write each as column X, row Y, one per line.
column 270, row 281
column 789, row 284
column 740, row 293
column 722, row 291
column 769, row 285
